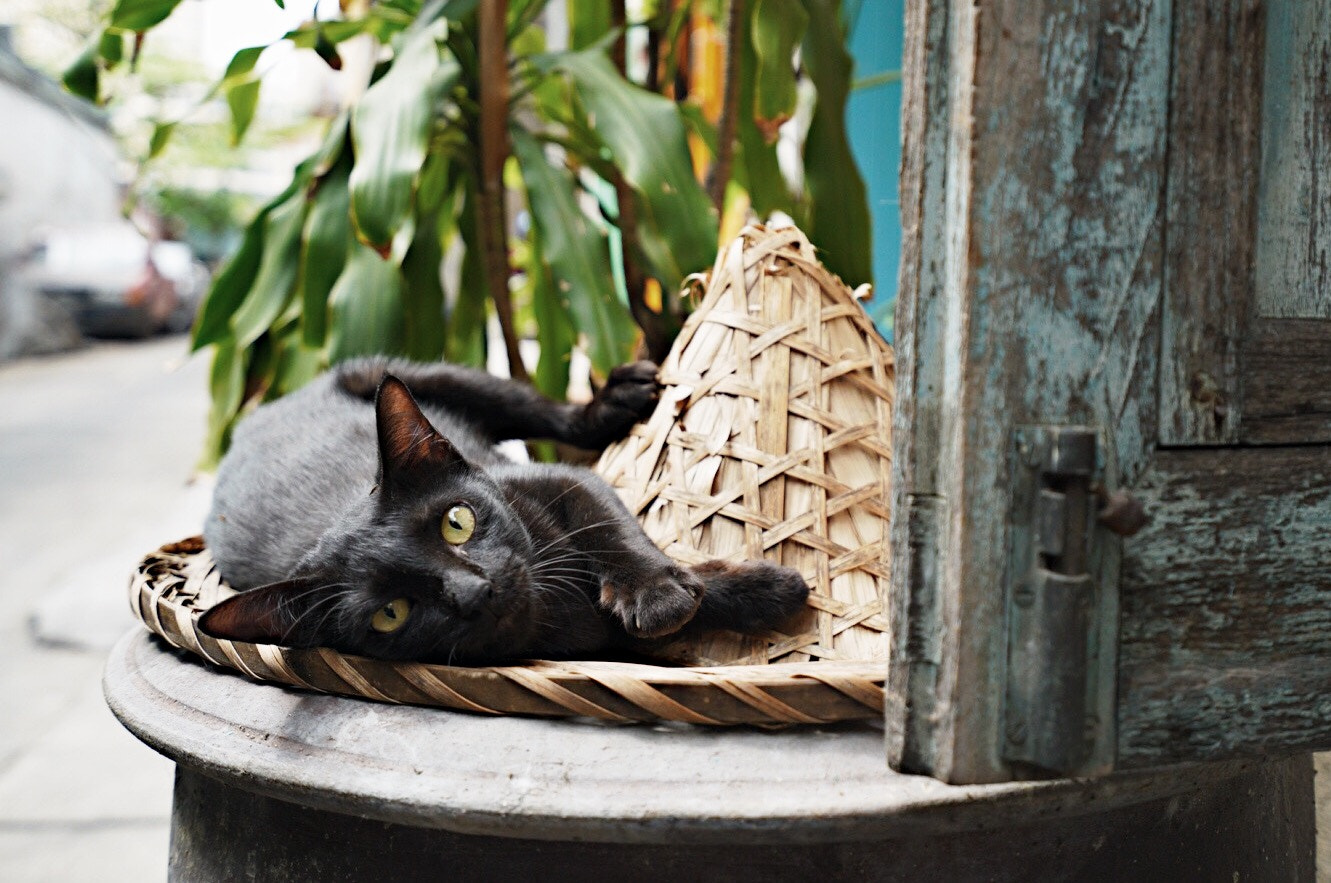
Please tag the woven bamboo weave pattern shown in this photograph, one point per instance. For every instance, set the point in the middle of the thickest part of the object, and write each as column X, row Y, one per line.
column 772, row 439
column 174, row 585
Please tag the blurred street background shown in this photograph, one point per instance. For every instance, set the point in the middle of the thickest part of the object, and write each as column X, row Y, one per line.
column 97, row 454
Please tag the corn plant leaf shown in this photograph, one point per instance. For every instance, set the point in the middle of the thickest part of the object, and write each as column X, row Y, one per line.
column 756, row 168
column 139, row 15
column 423, row 290
column 324, row 253
column 242, row 98
column 297, row 365
column 588, row 22
column 275, row 280
column 83, row 78
column 577, row 254
column 226, row 383
column 777, row 27
column 837, row 219
column 390, row 128
column 231, row 285
column 366, row 308
column 677, row 225
column 465, row 343
column 554, row 329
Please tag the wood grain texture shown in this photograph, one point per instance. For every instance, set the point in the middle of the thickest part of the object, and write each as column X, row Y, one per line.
column 1294, row 232
column 1211, row 207
column 1287, row 390
column 1037, row 304
column 1225, row 647
column 917, row 634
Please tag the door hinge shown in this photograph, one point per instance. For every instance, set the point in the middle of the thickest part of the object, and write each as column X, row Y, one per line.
column 1050, row 707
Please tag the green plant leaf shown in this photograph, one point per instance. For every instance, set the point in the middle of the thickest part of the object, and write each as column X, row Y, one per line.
column 588, row 22
column 226, row 383
column 756, row 168
column 160, row 138
column 465, row 344
column 777, row 27
column 297, row 365
column 423, row 290
column 837, row 219
column 242, row 98
column 83, row 78
column 230, row 286
column 554, row 329
column 324, row 254
column 111, row 47
column 139, row 15
column 390, row 128
column 677, row 225
column 366, row 308
column 242, row 63
column 275, row 280
column 577, row 254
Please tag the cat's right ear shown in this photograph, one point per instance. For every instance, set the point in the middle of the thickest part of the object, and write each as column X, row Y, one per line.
column 281, row 613
column 407, row 441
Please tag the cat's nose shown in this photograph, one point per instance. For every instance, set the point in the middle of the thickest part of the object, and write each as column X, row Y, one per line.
column 472, row 596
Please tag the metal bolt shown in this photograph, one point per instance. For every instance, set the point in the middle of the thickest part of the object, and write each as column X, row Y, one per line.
column 1023, row 596
column 1121, row 512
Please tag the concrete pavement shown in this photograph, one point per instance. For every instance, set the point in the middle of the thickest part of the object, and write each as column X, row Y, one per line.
column 97, row 453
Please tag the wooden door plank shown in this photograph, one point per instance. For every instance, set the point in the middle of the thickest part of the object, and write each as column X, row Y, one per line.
column 1030, row 288
column 1287, row 388
column 1294, row 227
column 1211, row 207
column 1225, row 648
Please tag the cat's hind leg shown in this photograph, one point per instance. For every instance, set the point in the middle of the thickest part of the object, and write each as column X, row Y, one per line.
column 748, row 596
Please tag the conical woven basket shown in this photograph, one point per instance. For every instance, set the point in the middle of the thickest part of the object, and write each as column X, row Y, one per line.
column 771, row 440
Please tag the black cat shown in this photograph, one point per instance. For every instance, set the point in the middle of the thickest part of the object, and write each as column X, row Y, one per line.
column 376, row 529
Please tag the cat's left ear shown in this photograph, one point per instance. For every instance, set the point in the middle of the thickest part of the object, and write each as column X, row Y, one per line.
column 272, row 614
column 407, row 441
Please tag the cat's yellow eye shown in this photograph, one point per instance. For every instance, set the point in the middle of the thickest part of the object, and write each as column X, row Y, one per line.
column 391, row 616
column 458, row 525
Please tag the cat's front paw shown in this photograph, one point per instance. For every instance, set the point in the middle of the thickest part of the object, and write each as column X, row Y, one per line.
column 656, row 606
column 629, row 395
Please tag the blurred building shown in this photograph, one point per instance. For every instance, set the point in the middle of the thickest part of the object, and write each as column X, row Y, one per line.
column 58, row 161
column 58, row 167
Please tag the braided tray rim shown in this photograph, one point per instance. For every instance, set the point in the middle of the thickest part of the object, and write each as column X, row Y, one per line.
column 165, row 592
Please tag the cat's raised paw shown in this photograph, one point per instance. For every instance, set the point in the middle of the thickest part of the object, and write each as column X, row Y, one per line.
column 657, row 606
column 630, row 393
column 632, row 388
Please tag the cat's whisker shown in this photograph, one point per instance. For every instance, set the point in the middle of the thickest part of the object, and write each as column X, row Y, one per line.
column 573, row 533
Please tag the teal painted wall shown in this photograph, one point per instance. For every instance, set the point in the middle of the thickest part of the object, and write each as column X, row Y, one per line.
column 874, row 117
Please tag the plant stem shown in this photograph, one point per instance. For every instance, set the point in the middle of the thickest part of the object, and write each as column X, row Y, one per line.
column 491, row 223
column 656, row 333
column 729, row 122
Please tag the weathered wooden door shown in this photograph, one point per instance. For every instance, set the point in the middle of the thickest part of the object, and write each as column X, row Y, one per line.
column 1115, row 276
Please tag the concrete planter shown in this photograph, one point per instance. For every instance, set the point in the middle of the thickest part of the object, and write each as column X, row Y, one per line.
column 275, row 784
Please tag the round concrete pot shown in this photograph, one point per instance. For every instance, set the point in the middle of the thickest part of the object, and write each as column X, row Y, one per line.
column 276, row 784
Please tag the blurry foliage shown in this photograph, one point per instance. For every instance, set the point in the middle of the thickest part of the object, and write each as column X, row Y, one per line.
column 469, row 115
column 209, row 220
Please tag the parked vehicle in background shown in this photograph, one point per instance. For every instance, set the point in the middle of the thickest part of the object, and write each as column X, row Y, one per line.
column 115, row 282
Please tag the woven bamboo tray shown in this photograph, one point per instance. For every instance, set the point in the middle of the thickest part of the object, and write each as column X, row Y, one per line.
column 772, row 439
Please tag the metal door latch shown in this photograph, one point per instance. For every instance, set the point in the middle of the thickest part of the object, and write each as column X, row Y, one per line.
column 1048, row 715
